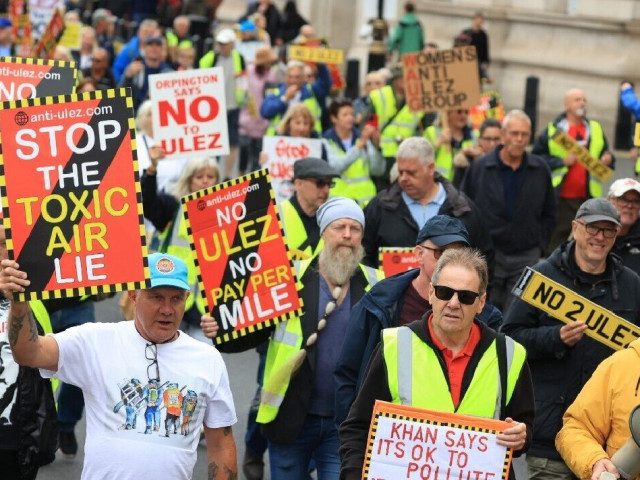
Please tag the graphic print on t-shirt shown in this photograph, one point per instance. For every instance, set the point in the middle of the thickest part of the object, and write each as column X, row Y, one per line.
column 164, row 407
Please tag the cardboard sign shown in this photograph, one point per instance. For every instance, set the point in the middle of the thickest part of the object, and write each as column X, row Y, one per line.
column 316, row 55
column 565, row 305
column 22, row 78
column 71, row 37
column 244, row 272
column 490, row 106
column 442, row 80
column 413, row 443
column 47, row 44
column 283, row 153
column 21, row 20
column 395, row 260
column 70, row 194
column 597, row 169
column 190, row 113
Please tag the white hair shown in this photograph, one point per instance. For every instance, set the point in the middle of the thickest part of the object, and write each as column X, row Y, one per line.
column 416, row 147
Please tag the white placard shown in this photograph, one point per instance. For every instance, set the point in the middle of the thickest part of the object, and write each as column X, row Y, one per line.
column 189, row 113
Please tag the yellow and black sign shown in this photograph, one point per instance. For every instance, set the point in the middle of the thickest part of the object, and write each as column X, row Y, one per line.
column 316, row 55
column 636, row 137
column 597, row 169
column 564, row 304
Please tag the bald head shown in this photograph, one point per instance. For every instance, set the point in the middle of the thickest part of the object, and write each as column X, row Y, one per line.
column 575, row 104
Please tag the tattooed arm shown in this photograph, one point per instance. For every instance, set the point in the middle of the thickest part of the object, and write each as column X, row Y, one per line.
column 27, row 346
column 221, row 453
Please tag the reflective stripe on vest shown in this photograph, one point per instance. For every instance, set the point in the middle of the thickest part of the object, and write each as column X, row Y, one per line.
column 296, row 234
column 180, row 247
column 443, row 155
column 208, row 60
column 41, row 316
column 403, row 125
column 596, row 146
column 407, row 358
column 285, row 342
column 311, row 103
column 355, row 182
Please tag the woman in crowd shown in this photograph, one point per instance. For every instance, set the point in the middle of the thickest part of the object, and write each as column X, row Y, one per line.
column 356, row 156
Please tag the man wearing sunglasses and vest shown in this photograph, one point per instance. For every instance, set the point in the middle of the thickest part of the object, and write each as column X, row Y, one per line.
column 454, row 364
column 135, row 377
column 562, row 357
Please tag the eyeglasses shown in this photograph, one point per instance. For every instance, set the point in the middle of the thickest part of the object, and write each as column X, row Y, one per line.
column 628, row 202
column 491, row 139
column 591, row 229
column 323, row 183
column 151, row 353
column 437, row 252
column 466, row 297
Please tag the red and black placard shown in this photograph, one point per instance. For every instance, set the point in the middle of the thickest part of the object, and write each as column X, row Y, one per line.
column 71, row 196
column 245, row 275
column 32, row 77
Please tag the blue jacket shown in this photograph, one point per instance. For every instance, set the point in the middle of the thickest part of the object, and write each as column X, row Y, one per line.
column 378, row 309
column 130, row 51
column 272, row 105
column 630, row 101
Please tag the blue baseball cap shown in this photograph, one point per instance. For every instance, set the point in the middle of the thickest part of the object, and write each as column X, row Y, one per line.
column 443, row 230
column 5, row 22
column 168, row 271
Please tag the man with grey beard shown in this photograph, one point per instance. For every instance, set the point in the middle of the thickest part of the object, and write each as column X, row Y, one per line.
column 297, row 409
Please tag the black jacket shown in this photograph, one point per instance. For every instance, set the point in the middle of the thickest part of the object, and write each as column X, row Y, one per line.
column 355, row 429
column 35, row 419
column 628, row 247
column 388, row 222
column 534, row 216
column 559, row 372
column 285, row 428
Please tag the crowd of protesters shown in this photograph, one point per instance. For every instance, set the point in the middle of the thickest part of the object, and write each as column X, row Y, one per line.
column 476, row 203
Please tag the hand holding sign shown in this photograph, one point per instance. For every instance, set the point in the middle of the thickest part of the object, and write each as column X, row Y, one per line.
column 12, row 279
column 513, row 437
column 571, row 333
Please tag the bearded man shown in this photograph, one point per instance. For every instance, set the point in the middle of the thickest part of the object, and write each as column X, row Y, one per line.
column 298, row 396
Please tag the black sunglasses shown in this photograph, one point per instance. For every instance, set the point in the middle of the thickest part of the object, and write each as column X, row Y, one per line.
column 151, row 353
column 466, row 297
column 319, row 183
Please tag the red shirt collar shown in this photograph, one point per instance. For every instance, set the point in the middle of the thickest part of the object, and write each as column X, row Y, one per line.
column 469, row 347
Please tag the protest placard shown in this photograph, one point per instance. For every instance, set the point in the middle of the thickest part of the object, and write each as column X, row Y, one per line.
column 49, row 39
column 282, row 153
column 596, row 168
column 71, row 198
column 189, row 113
column 441, row 80
column 567, row 306
column 71, row 37
column 244, row 273
column 21, row 20
column 413, row 443
column 316, row 54
column 394, row 260
column 41, row 12
column 490, row 106
column 22, row 78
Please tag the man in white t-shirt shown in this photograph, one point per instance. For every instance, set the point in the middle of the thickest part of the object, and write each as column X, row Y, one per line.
column 136, row 377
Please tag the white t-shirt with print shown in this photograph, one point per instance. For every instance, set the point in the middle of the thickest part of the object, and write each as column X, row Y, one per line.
column 108, row 361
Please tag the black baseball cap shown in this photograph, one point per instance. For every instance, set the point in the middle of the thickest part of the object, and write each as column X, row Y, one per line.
column 311, row 167
column 443, row 230
column 598, row 210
